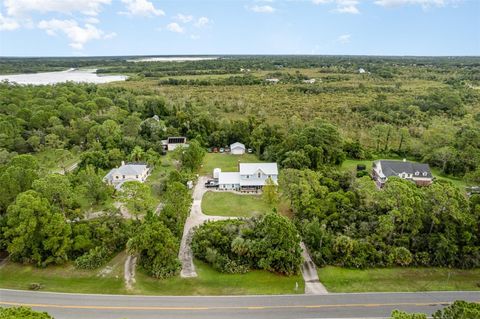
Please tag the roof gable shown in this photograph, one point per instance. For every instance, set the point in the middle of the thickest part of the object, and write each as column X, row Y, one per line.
column 252, row 168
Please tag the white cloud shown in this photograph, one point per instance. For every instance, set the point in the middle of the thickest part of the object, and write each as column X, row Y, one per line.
column 262, row 9
column 183, row 18
column 202, row 22
column 344, row 38
column 8, row 24
column 78, row 35
column 423, row 3
column 92, row 20
column 341, row 6
column 141, row 8
column 18, row 8
column 175, row 27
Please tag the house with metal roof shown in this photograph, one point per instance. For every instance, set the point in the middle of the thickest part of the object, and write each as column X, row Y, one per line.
column 127, row 172
column 251, row 176
column 418, row 173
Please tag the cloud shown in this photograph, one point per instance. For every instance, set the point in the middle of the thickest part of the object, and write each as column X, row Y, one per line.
column 202, row 22
column 8, row 24
column 423, row 3
column 183, row 18
column 344, row 38
column 92, row 20
column 78, row 35
column 18, row 8
column 262, row 9
column 141, row 8
column 175, row 27
column 341, row 6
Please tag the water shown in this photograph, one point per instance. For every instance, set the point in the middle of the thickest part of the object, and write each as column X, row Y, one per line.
column 172, row 59
column 73, row 75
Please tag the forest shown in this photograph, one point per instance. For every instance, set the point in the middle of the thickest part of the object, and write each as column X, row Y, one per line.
column 423, row 109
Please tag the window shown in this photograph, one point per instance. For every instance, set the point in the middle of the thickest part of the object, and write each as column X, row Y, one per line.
column 417, row 173
column 259, row 174
column 136, row 176
column 248, row 176
column 425, row 174
column 116, row 177
column 123, row 176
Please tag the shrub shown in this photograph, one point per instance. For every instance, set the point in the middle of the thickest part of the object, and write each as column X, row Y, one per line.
column 93, row 259
column 22, row 312
column 403, row 256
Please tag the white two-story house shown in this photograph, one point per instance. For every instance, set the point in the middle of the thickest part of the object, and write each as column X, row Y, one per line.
column 251, row 176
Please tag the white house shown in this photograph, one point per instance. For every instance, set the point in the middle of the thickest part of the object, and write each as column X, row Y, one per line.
column 309, row 81
column 172, row 143
column 126, row 173
column 251, row 176
column 237, row 148
column 272, row 80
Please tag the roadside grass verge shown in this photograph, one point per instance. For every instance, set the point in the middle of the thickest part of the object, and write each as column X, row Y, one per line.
column 234, row 205
column 410, row 279
column 226, row 162
column 66, row 278
column 212, row 282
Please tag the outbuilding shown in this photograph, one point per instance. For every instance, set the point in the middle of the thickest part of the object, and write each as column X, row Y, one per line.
column 237, row 148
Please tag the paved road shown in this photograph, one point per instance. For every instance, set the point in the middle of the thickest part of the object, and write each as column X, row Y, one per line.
column 364, row 305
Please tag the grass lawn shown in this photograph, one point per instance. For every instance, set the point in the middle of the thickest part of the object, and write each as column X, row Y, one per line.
column 337, row 279
column 50, row 162
column 66, row 278
column 211, row 282
column 159, row 174
column 227, row 162
column 352, row 165
column 230, row 204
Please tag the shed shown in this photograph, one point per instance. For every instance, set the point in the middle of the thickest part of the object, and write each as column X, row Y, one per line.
column 216, row 172
column 237, row 148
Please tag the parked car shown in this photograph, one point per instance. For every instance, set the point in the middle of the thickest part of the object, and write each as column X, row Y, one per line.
column 227, row 149
column 215, row 150
column 222, row 150
column 211, row 183
column 209, row 150
column 250, row 151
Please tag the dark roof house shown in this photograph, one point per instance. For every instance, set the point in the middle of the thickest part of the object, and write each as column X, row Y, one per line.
column 419, row 173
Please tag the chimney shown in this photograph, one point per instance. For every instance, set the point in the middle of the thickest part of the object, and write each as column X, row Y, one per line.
column 123, row 163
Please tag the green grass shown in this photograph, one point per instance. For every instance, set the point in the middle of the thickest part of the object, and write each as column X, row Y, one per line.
column 352, row 165
column 231, row 204
column 337, row 279
column 159, row 174
column 211, row 282
column 226, row 162
column 48, row 160
column 65, row 278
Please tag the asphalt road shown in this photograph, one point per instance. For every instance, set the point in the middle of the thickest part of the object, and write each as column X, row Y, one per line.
column 361, row 305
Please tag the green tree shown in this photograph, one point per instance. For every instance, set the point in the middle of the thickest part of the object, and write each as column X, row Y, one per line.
column 17, row 178
column 137, row 197
column 270, row 192
column 35, row 233
column 192, row 156
column 57, row 189
column 22, row 312
column 90, row 186
column 156, row 247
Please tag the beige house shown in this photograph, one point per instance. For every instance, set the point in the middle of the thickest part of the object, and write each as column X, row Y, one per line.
column 126, row 173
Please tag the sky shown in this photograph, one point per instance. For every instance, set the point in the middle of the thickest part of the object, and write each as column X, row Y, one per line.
column 197, row 27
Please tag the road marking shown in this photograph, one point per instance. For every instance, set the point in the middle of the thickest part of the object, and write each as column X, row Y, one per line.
column 437, row 303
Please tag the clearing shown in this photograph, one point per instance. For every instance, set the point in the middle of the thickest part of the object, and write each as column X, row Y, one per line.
column 409, row 279
column 225, row 161
column 233, row 205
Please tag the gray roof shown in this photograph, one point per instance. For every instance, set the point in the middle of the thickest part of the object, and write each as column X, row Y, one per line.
column 393, row 168
column 127, row 169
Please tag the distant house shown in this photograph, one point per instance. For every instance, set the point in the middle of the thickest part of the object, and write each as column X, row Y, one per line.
column 237, row 148
column 361, row 71
column 125, row 173
column 309, row 81
column 172, row 143
column 272, row 80
column 251, row 176
column 418, row 173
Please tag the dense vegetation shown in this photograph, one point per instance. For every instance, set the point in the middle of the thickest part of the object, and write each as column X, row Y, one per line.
column 269, row 242
column 346, row 221
column 426, row 109
column 457, row 310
